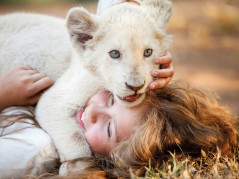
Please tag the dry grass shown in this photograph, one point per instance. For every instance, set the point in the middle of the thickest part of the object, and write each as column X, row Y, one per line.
column 205, row 166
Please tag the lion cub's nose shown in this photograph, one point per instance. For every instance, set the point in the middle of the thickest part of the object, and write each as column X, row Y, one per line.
column 134, row 88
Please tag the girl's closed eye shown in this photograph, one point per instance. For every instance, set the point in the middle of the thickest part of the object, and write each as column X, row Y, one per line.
column 108, row 130
column 110, row 102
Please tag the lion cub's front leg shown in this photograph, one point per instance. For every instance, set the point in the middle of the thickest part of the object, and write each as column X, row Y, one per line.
column 56, row 114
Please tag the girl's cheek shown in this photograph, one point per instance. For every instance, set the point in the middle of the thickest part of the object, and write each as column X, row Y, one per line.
column 93, row 140
column 98, row 143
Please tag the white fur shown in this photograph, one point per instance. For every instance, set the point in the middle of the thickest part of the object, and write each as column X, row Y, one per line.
column 42, row 42
column 37, row 40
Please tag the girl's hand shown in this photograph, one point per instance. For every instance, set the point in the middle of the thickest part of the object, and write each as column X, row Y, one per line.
column 165, row 72
column 22, row 85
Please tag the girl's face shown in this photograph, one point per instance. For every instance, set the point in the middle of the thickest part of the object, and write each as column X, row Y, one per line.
column 105, row 122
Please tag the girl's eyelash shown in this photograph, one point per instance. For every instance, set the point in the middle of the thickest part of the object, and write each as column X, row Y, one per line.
column 110, row 101
column 108, row 130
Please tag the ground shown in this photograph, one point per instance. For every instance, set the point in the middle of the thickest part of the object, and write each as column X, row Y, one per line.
column 205, row 44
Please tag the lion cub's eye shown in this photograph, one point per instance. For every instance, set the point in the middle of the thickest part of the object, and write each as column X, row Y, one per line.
column 114, row 54
column 148, row 52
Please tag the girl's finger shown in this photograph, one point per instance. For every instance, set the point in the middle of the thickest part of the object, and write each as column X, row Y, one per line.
column 167, row 58
column 166, row 66
column 163, row 73
column 160, row 83
column 30, row 72
column 24, row 67
column 36, row 77
column 42, row 84
column 163, row 60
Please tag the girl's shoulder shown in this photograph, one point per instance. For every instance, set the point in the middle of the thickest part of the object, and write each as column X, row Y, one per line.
column 25, row 147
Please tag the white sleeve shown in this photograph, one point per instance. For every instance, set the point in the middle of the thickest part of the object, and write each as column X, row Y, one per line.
column 25, row 149
column 104, row 4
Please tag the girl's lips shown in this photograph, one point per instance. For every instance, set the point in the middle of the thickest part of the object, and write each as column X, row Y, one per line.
column 78, row 118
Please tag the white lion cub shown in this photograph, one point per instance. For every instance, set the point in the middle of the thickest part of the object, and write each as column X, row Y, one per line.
column 113, row 51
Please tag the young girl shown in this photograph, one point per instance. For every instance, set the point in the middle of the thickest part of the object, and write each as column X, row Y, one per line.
column 172, row 119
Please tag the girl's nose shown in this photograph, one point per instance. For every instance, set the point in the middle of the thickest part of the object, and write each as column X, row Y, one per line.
column 98, row 114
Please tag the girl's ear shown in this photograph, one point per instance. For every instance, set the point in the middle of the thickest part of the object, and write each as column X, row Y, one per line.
column 81, row 25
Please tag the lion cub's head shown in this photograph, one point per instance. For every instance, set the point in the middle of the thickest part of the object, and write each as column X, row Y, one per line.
column 121, row 45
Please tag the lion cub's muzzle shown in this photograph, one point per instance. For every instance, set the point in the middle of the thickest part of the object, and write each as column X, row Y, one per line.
column 135, row 96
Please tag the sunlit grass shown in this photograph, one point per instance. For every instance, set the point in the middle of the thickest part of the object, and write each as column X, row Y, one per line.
column 205, row 166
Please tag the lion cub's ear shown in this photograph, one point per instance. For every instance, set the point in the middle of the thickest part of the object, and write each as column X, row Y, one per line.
column 160, row 10
column 81, row 25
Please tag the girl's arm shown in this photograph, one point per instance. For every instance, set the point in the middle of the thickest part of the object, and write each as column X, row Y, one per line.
column 22, row 85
